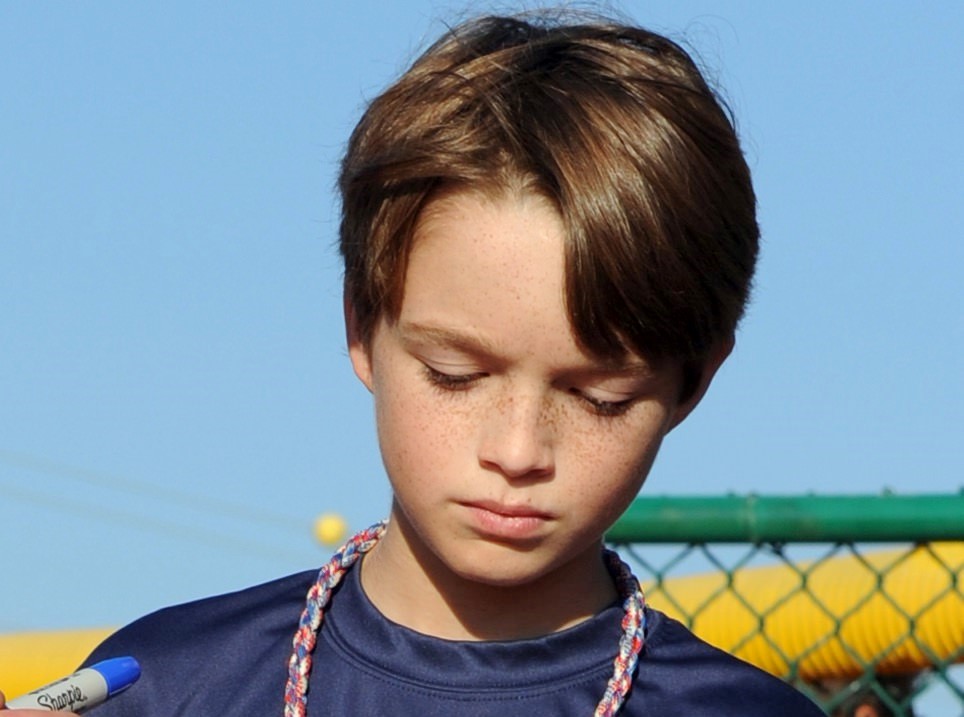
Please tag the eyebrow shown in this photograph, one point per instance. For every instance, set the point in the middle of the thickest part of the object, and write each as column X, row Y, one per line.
column 413, row 331
column 416, row 332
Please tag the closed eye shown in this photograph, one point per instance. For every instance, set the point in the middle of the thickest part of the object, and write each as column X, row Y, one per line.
column 600, row 407
column 451, row 381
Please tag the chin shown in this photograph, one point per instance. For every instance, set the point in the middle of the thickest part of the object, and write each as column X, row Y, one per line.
column 499, row 566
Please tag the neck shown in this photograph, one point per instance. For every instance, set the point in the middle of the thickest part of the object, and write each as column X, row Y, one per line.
column 411, row 586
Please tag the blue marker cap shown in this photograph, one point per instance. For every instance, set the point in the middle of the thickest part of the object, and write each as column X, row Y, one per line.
column 119, row 673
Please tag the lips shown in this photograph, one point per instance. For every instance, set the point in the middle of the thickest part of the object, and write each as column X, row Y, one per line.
column 506, row 522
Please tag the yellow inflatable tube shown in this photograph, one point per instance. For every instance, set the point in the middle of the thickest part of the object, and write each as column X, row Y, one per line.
column 31, row 659
column 900, row 610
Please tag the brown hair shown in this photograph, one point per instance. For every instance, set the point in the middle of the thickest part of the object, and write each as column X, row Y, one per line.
column 613, row 124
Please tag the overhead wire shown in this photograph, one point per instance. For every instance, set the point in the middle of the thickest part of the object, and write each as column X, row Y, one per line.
column 167, row 529
column 212, row 508
column 141, row 488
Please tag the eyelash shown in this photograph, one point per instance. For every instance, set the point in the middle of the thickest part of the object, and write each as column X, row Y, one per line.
column 460, row 382
column 606, row 409
column 450, row 382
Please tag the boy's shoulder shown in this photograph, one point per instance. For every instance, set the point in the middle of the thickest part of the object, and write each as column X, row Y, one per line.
column 260, row 609
column 691, row 677
column 185, row 651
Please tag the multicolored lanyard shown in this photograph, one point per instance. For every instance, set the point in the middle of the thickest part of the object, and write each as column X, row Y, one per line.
column 299, row 666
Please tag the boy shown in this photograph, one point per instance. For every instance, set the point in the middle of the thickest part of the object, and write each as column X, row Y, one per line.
column 549, row 234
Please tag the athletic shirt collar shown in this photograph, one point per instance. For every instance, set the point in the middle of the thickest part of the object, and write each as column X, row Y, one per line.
column 360, row 634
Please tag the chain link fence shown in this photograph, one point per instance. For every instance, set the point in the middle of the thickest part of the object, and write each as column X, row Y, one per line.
column 856, row 600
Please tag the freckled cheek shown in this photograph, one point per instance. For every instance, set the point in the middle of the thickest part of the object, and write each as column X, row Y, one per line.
column 422, row 438
column 612, row 460
column 605, row 480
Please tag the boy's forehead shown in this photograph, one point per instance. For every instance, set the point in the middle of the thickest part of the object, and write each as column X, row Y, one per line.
column 439, row 221
column 482, row 220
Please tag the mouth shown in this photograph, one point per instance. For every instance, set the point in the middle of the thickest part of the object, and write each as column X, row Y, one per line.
column 506, row 522
column 509, row 510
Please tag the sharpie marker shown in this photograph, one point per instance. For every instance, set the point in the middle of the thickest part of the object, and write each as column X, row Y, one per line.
column 84, row 689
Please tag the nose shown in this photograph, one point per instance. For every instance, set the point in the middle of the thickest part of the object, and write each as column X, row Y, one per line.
column 516, row 438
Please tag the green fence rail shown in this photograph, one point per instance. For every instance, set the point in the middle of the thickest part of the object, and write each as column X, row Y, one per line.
column 857, row 600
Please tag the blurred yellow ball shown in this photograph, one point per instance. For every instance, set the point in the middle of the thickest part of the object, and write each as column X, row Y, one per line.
column 330, row 529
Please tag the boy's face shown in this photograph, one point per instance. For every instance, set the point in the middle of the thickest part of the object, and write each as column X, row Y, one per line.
column 509, row 448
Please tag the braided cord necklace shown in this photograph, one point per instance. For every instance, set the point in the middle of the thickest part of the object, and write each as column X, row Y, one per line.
column 319, row 595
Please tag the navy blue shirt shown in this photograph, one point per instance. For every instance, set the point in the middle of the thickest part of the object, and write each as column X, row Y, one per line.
column 228, row 655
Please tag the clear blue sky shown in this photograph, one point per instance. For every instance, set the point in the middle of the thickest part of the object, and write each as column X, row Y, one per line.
column 176, row 404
